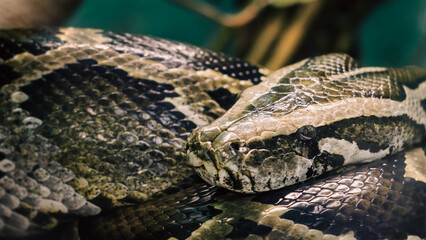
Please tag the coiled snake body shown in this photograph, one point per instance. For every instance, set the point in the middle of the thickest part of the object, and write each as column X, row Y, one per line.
column 95, row 120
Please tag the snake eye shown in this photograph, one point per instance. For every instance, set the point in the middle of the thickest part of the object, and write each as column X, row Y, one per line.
column 307, row 133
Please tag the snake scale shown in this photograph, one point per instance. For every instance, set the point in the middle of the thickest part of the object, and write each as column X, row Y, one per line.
column 94, row 130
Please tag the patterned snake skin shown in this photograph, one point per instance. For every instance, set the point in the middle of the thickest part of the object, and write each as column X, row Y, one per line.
column 93, row 129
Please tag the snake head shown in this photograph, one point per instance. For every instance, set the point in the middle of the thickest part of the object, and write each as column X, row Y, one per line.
column 249, row 166
column 258, row 164
column 252, row 148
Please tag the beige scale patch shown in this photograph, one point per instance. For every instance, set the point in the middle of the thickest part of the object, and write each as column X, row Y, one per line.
column 415, row 164
column 248, row 97
column 82, row 36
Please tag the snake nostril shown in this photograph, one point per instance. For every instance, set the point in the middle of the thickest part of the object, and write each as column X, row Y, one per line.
column 235, row 146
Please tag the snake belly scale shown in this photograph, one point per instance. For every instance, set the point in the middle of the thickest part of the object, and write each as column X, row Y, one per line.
column 94, row 128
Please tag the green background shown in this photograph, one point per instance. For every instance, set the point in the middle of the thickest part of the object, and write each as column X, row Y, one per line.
column 393, row 34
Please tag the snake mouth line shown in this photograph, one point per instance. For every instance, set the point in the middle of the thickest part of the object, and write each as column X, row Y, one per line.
column 247, row 170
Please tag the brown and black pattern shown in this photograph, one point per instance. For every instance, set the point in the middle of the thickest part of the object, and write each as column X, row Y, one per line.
column 95, row 121
column 357, row 114
column 335, row 77
column 373, row 201
column 78, row 129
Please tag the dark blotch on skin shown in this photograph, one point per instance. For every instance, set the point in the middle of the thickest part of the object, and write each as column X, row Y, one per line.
column 423, row 103
column 372, row 133
column 182, row 55
column 326, row 159
column 224, row 97
column 232, row 181
column 34, row 42
column 243, row 227
column 7, row 75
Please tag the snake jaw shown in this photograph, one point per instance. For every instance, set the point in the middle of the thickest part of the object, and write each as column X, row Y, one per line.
column 212, row 154
column 226, row 160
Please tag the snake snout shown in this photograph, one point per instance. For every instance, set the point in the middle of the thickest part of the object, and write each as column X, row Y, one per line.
column 217, row 156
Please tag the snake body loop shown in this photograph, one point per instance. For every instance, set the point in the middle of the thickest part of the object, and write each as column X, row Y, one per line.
column 100, row 134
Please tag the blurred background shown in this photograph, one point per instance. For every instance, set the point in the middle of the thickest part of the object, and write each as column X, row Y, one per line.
column 272, row 33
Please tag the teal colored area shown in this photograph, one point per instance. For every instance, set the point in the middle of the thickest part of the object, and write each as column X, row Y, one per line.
column 157, row 18
column 395, row 34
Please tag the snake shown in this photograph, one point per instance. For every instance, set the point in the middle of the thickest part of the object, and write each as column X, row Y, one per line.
column 108, row 135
